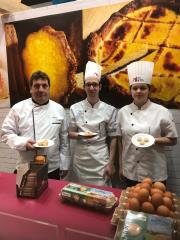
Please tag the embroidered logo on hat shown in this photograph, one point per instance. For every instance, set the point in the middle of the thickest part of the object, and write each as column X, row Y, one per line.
column 138, row 79
column 140, row 72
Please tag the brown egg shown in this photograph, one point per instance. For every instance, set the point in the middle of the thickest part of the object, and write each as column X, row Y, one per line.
column 134, row 204
column 172, row 214
column 132, row 188
column 137, row 188
column 130, row 194
column 135, row 194
column 147, row 207
column 147, row 180
column 126, row 205
column 149, row 199
column 156, row 190
column 168, row 194
column 173, row 208
column 128, row 189
column 143, row 195
column 160, row 186
column 146, row 185
column 167, row 202
column 157, row 199
column 138, row 185
column 163, row 211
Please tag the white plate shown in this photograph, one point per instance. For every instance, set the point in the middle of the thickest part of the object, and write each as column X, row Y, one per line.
column 50, row 143
column 143, row 140
column 87, row 134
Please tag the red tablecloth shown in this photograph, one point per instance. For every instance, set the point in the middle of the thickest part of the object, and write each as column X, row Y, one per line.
column 73, row 222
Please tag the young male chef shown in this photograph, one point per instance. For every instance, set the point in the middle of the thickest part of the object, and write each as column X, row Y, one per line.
column 91, row 122
column 38, row 118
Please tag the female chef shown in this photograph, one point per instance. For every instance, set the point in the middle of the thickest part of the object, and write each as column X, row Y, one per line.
column 93, row 161
column 143, row 116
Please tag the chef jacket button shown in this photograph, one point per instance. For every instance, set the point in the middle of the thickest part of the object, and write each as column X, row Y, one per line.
column 85, row 111
column 86, row 121
column 132, row 124
column 131, row 113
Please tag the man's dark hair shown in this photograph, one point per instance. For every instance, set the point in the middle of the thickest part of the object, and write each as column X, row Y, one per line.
column 37, row 75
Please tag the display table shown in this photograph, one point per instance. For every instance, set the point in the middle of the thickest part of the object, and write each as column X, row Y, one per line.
column 47, row 217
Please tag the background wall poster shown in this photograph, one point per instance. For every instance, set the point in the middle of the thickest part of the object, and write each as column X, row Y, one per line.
column 4, row 90
column 112, row 35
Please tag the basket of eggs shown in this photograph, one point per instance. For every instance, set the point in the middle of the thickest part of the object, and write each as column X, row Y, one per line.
column 148, row 197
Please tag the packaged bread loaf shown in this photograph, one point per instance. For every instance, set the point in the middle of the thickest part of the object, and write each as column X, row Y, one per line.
column 87, row 196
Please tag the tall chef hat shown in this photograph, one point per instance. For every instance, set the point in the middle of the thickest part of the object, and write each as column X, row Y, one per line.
column 140, row 72
column 93, row 70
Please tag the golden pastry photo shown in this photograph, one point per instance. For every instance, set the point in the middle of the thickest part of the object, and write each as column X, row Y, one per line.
column 48, row 50
column 141, row 30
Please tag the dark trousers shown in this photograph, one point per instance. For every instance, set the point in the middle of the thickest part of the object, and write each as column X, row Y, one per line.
column 54, row 174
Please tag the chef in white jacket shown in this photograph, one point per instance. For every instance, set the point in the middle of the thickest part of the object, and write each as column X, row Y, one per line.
column 38, row 118
column 143, row 116
column 93, row 160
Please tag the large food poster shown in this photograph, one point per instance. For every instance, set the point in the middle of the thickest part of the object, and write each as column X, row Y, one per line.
column 4, row 89
column 60, row 40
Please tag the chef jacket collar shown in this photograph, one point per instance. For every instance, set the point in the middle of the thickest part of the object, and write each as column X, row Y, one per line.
column 40, row 104
column 89, row 105
column 135, row 107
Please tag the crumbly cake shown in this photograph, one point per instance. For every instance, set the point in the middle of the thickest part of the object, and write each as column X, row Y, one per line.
column 48, row 50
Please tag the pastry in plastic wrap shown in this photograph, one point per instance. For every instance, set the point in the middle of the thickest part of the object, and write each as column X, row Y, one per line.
column 88, row 196
column 31, row 179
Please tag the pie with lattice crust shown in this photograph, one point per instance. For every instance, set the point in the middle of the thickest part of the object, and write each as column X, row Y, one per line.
column 141, row 30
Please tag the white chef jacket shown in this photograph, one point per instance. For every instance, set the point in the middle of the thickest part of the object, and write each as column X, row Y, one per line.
column 92, row 155
column 49, row 122
column 154, row 119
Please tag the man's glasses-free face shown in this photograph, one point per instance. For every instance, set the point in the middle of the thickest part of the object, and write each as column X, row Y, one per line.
column 37, row 86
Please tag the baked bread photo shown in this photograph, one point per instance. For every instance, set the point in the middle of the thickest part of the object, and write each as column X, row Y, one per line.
column 3, row 84
column 49, row 51
column 141, row 30
column 113, row 35
column 51, row 43
column 18, row 86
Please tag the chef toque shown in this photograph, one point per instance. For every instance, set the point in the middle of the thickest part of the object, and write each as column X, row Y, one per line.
column 93, row 70
column 140, row 72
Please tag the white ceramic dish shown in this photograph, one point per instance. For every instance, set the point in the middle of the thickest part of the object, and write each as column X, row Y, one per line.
column 50, row 143
column 87, row 134
column 143, row 140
